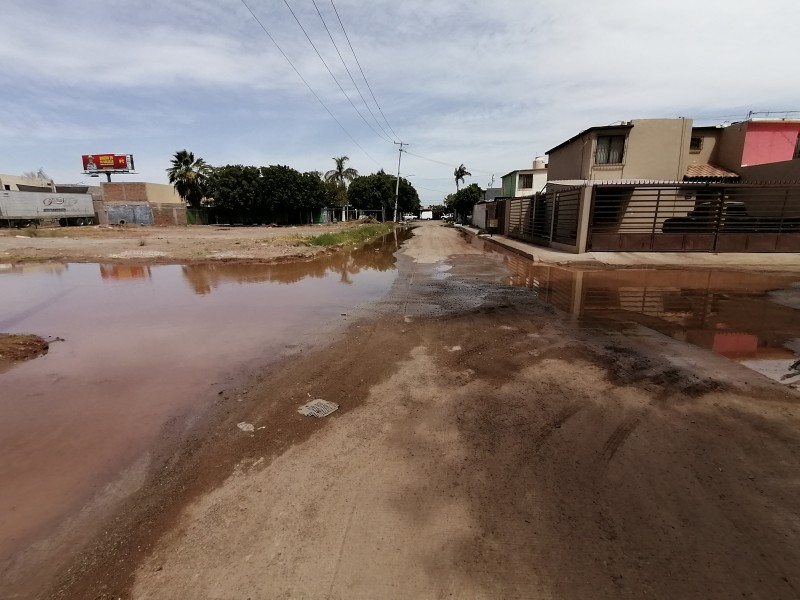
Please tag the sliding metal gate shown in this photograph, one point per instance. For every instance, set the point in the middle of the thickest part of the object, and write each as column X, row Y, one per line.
column 695, row 217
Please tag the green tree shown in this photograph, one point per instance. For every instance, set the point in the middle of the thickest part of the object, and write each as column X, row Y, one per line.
column 341, row 176
column 376, row 192
column 235, row 193
column 463, row 200
column 189, row 176
column 460, row 173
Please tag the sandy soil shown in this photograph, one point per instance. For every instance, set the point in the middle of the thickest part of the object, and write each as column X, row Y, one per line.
column 16, row 348
column 485, row 447
column 161, row 244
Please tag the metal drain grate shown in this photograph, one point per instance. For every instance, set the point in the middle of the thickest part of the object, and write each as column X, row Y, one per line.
column 318, row 408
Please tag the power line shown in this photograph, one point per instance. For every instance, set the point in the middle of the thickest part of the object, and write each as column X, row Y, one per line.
column 346, row 68
column 291, row 64
column 303, row 29
column 347, row 37
column 446, row 164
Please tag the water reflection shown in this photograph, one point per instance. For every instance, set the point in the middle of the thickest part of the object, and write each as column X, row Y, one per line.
column 729, row 313
column 376, row 256
column 125, row 271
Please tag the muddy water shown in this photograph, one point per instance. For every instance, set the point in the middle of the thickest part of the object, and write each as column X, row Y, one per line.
column 748, row 317
column 143, row 347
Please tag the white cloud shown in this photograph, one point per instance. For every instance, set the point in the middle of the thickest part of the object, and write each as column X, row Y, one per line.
column 489, row 84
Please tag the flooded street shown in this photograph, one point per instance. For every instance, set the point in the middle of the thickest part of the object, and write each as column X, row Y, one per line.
column 504, row 430
column 144, row 347
column 751, row 318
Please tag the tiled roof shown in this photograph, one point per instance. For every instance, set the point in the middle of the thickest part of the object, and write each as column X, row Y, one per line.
column 705, row 170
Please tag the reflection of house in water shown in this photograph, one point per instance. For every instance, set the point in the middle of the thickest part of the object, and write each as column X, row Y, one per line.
column 376, row 256
column 124, row 271
column 726, row 312
column 28, row 268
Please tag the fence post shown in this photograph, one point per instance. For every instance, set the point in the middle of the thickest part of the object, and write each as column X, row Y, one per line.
column 553, row 216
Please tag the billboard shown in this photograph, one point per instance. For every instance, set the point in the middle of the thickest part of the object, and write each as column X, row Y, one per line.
column 107, row 162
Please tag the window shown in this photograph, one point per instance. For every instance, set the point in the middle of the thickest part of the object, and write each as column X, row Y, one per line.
column 525, row 181
column 695, row 144
column 796, row 148
column 610, row 149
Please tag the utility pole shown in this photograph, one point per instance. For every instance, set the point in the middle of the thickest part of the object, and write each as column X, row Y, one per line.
column 397, row 187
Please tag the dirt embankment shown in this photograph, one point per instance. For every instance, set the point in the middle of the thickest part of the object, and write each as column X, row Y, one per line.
column 163, row 244
column 485, row 447
column 15, row 348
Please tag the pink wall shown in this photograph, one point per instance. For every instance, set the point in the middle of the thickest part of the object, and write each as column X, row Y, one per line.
column 769, row 142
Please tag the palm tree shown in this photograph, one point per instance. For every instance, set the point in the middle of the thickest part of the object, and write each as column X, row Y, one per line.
column 339, row 175
column 189, row 176
column 460, row 173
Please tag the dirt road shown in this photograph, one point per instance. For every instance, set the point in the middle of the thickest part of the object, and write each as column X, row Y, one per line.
column 486, row 446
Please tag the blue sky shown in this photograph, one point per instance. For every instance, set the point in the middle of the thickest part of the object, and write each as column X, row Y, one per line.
column 487, row 84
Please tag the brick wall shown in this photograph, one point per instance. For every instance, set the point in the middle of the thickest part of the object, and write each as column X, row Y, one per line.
column 168, row 214
column 124, row 192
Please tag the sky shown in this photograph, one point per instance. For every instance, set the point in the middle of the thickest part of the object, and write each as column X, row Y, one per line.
column 487, row 84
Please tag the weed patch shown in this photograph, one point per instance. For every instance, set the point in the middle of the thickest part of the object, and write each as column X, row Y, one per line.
column 356, row 235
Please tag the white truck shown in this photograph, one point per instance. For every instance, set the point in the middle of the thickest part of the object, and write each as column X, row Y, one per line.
column 23, row 209
column 426, row 215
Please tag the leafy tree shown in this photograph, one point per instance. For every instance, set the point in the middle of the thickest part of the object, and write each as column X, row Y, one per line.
column 460, row 173
column 235, row 192
column 189, row 176
column 341, row 176
column 463, row 200
column 376, row 192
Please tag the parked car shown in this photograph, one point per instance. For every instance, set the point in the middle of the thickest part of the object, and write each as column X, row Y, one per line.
column 732, row 217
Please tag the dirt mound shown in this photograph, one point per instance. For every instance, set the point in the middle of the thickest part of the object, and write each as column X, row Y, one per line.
column 16, row 348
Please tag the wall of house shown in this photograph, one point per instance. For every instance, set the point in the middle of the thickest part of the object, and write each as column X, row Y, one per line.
column 656, row 149
column 708, row 153
column 731, row 146
column 510, row 184
column 572, row 161
column 787, row 170
column 769, row 142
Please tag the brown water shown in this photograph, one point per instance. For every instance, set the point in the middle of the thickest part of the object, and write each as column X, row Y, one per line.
column 143, row 346
column 748, row 317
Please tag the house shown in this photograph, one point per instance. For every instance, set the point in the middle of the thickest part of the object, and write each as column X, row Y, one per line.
column 525, row 182
column 676, row 150
column 666, row 185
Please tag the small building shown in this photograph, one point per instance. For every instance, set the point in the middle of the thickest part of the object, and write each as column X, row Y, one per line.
column 524, row 182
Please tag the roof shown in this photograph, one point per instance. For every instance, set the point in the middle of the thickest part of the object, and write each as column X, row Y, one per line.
column 706, row 170
column 590, row 130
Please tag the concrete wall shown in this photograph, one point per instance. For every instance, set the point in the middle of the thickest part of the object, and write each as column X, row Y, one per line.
column 479, row 216
column 787, row 170
column 163, row 194
column 140, row 213
column 572, row 161
column 656, row 149
column 708, row 153
column 769, row 142
column 731, row 146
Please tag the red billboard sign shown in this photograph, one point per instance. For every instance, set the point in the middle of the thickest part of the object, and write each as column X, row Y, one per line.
column 107, row 162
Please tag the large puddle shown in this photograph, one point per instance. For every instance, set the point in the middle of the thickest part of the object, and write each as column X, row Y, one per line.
column 144, row 346
column 751, row 318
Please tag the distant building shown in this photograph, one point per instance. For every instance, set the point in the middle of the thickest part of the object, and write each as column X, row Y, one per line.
column 524, row 182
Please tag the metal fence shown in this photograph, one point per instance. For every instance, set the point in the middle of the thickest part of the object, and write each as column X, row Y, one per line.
column 545, row 217
column 695, row 217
